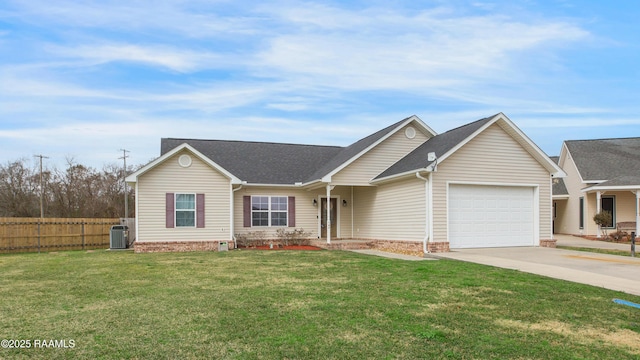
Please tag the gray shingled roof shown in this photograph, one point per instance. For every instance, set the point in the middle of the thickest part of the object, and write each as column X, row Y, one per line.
column 275, row 163
column 606, row 159
column 261, row 162
column 559, row 187
column 440, row 144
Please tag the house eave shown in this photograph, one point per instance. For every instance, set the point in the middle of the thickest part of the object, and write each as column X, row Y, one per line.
column 611, row 188
column 133, row 178
column 394, row 177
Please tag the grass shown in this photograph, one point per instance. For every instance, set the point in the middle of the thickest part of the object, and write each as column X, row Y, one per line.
column 311, row 305
column 599, row 251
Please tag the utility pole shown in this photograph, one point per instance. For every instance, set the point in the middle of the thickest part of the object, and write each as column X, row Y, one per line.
column 41, row 186
column 124, row 181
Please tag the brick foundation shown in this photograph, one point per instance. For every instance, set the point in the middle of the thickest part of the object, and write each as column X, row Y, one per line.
column 401, row 247
column 550, row 243
column 178, row 246
column 395, row 246
column 437, row 247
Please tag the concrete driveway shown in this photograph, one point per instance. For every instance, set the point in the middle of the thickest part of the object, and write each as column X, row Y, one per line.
column 608, row 271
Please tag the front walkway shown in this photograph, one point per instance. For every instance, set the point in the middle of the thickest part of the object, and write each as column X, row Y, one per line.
column 576, row 241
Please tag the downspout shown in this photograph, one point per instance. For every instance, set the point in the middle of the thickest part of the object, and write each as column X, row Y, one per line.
column 637, row 212
column 352, row 211
column 329, row 213
column 427, row 228
column 598, row 209
column 233, row 235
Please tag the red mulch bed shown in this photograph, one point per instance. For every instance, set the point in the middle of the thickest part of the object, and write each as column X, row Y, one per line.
column 276, row 247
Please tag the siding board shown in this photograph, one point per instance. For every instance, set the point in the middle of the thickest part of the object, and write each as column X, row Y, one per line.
column 170, row 177
column 491, row 157
column 378, row 159
column 394, row 211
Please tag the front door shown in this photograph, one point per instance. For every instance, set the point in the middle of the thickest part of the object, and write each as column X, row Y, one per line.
column 323, row 217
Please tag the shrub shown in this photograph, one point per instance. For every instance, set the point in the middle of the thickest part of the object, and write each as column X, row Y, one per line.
column 619, row 236
column 250, row 239
column 293, row 237
column 603, row 219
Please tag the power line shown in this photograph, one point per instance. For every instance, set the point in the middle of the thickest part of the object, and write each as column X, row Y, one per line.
column 124, row 181
column 41, row 185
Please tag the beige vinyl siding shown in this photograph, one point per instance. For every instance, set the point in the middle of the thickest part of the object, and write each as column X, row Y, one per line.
column 625, row 210
column 306, row 214
column 378, row 159
column 170, row 177
column 625, row 205
column 393, row 211
column 568, row 217
column 491, row 157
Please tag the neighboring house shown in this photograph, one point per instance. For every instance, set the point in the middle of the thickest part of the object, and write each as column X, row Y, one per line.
column 602, row 175
column 484, row 184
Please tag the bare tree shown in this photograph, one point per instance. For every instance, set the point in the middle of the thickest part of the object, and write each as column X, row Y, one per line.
column 76, row 191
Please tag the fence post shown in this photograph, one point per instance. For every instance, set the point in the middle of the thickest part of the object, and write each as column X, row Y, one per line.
column 83, row 235
column 38, row 236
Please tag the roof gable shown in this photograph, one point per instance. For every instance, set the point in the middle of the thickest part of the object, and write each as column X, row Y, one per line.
column 605, row 159
column 354, row 151
column 446, row 144
column 133, row 178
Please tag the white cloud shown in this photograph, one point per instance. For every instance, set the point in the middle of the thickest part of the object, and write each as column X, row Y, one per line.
column 430, row 50
column 176, row 59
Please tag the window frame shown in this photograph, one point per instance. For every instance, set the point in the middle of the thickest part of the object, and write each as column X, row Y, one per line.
column 581, row 212
column 193, row 211
column 613, row 209
column 270, row 211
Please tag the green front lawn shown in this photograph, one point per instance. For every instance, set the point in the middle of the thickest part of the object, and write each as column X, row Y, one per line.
column 300, row 305
column 600, row 251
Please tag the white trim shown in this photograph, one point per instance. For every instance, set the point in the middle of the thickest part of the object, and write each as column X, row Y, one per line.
column 175, row 210
column 327, row 178
column 389, row 178
column 531, row 148
column 610, row 188
column 269, row 211
column 133, row 178
column 550, row 165
column 536, row 203
column 138, row 213
column 272, row 185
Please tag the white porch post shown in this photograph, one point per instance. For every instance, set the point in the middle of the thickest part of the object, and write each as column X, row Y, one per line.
column 637, row 212
column 598, row 206
column 328, row 214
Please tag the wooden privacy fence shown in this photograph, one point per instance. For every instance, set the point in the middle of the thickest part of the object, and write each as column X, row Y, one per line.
column 51, row 234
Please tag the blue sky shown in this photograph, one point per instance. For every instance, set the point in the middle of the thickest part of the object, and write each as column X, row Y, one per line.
column 82, row 79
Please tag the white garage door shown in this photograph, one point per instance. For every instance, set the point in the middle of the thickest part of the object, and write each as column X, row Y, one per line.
column 490, row 216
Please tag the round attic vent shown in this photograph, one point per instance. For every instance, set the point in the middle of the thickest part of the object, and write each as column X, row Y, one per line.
column 184, row 160
column 410, row 132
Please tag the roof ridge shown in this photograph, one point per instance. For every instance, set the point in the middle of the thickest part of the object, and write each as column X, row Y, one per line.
column 601, row 139
column 253, row 142
column 468, row 124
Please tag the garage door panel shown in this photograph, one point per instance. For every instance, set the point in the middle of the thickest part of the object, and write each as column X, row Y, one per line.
column 490, row 216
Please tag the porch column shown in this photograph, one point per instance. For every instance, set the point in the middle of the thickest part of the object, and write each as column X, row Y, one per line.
column 637, row 212
column 328, row 214
column 598, row 209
